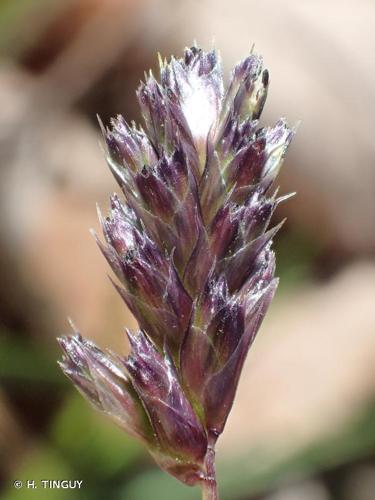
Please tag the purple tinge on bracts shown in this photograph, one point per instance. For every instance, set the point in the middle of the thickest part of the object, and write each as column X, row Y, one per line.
column 190, row 246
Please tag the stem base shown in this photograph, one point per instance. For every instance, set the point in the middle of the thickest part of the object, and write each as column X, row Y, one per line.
column 209, row 484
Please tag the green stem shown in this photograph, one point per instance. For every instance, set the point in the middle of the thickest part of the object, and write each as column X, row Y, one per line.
column 209, row 485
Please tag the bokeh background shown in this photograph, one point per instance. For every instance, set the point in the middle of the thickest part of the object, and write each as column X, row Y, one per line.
column 303, row 425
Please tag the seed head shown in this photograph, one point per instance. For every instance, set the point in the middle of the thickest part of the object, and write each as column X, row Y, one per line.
column 190, row 246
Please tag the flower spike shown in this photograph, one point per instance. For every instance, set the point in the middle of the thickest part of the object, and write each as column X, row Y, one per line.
column 191, row 249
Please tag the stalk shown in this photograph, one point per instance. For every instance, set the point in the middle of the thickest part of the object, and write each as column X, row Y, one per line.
column 209, row 484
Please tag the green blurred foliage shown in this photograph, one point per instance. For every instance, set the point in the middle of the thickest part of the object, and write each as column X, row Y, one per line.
column 296, row 252
column 43, row 462
column 25, row 360
column 22, row 22
column 90, row 442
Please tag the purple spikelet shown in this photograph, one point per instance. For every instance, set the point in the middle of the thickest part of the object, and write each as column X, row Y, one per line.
column 190, row 246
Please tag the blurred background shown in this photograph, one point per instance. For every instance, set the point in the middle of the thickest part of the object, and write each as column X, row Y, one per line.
column 303, row 425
